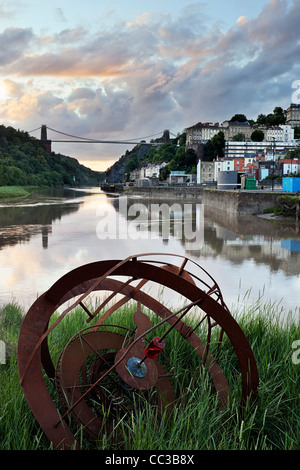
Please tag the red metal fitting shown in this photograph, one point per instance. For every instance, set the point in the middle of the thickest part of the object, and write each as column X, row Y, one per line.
column 154, row 348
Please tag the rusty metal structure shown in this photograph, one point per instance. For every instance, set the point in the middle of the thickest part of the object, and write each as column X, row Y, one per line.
column 106, row 363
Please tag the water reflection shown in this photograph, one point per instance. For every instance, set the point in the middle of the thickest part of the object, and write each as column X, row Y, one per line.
column 78, row 228
column 35, row 214
column 167, row 221
column 19, row 224
column 239, row 237
column 233, row 237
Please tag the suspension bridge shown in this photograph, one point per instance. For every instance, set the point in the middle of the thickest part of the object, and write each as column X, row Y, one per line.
column 68, row 138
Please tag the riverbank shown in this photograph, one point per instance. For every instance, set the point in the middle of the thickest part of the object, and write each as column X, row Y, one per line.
column 272, row 423
column 8, row 193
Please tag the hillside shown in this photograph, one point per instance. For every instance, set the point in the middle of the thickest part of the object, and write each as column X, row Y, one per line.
column 177, row 156
column 172, row 152
column 24, row 161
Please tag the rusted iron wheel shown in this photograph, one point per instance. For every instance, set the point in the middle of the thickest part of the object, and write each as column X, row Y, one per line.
column 104, row 364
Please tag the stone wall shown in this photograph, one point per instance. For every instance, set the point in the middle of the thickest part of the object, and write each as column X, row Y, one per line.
column 243, row 202
column 231, row 201
column 166, row 192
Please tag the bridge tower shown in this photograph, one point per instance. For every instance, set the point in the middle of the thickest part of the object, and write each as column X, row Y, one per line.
column 166, row 136
column 46, row 143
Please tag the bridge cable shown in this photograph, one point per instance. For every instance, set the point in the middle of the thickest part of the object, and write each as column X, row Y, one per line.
column 38, row 128
column 96, row 140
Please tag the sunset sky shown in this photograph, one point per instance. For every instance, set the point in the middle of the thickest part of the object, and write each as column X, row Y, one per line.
column 127, row 69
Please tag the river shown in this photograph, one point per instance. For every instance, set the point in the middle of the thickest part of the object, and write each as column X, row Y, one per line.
column 50, row 233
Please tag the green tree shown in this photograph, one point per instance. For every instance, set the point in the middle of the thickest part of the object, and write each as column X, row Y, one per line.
column 272, row 119
column 279, row 116
column 297, row 132
column 239, row 118
column 190, row 160
column 261, row 119
column 239, row 137
column 164, row 173
column 257, row 136
column 295, row 153
column 215, row 147
column 209, row 151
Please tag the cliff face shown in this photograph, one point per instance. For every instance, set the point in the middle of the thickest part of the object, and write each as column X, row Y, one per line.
column 116, row 173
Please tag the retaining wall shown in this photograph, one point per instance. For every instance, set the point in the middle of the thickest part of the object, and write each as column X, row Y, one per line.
column 243, row 202
column 234, row 201
column 166, row 192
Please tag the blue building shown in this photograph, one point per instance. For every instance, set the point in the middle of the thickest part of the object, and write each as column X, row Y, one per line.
column 291, row 184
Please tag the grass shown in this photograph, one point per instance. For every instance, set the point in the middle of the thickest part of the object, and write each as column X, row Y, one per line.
column 271, row 423
column 14, row 192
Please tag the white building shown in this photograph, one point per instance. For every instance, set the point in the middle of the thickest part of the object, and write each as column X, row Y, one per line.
column 290, row 167
column 288, row 133
column 152, row 170
column 225, row 164
column 240, row 149
column 149, row 171
column 205, row 172
column 274, row 133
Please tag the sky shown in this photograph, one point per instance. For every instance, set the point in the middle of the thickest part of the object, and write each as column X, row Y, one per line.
column 128, row 69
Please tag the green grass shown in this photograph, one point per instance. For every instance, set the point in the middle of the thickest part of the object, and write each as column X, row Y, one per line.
column 271, row 423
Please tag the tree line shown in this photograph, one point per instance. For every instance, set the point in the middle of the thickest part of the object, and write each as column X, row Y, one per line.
column 25, row 162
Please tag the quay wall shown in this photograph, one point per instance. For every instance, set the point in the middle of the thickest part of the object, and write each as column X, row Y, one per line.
column 232, row 201
column 166, row 192
column 242, row 202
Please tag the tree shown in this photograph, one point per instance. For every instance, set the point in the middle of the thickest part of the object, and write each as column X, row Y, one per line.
column 190, row 159
column 257, row 136
column 297, row 132
column 164, row 173
column 209, row 151
column 261, row 119
column 295, row 153
column 131, row 164
column 239, row 118
column 279, row 116
column 272, row 119
column 215, row 147
column 239, row 137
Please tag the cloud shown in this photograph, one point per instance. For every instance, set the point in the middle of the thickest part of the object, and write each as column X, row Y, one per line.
column 59, row 14
column 156, row 72
column 8, row 10
column 242, row 20
column 13, row 43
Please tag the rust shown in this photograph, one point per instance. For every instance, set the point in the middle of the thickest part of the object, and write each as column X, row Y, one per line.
column 104, row 364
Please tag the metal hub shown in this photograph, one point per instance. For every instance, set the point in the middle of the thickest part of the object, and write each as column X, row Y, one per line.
column 136, row 368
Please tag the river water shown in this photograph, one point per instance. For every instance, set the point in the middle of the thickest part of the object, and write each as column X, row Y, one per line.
column 48, row 234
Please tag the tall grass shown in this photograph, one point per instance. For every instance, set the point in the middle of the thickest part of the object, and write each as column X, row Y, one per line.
column 271, row 423
column 9, row 192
